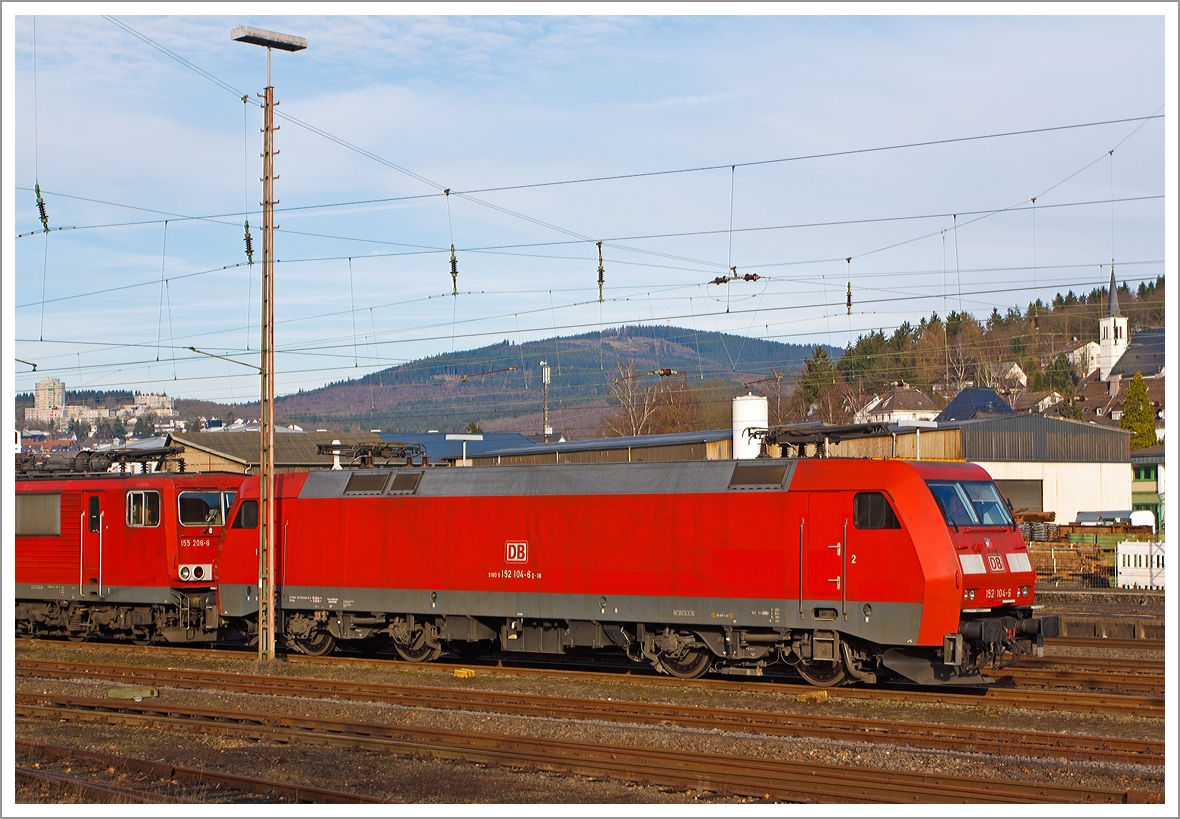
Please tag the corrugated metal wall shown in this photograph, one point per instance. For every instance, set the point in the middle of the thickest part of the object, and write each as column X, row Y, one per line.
column 1037, row 438
column 935, row 444
column 1022, row 438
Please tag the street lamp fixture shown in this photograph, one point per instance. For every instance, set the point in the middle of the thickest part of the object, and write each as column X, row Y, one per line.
column 267, row 624
column 546, row 430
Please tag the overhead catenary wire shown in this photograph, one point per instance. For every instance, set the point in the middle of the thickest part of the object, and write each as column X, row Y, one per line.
column 420, row 249
column 337, row 368
column 732, row 169
column 899, row 298
column 469, row 197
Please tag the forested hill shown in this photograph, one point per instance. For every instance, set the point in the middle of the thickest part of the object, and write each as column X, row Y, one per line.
column 431, row 393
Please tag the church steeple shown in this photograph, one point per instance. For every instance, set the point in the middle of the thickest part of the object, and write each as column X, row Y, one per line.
column 1112, row 302
column 1112, row 332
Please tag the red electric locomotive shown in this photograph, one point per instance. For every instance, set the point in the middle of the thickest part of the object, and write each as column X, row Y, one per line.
column 120, row 555
column 845, row 570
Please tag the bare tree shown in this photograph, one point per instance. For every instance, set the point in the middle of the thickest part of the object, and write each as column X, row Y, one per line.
column 637, row 402
column 677, row 406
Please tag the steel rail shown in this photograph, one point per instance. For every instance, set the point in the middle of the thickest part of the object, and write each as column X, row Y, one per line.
column 920, row 736
column 1128, row 665
column 785, row 780
column 1070, row 678
column 1143, row 705
column 107, row 793
column 1106, row 642
column 196, row 776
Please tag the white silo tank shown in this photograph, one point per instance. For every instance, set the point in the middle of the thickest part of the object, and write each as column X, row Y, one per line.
column 749, row 412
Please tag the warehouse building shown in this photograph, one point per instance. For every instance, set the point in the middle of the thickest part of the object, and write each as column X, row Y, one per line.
column 239, row 451
column 1040, row 464
column 710, row 445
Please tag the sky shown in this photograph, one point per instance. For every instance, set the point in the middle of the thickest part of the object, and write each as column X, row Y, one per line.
column 128, row 144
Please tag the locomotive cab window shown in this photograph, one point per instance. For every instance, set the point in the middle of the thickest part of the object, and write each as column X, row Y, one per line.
column 988, row 503
column 200, row 509
column 143, row 508
column 871, row 510
column 247, row 517
column 971, row 503
column 93, row 514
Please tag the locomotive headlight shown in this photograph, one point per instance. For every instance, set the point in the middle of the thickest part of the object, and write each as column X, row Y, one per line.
column 184, row 572
column 198, row 572
column 971, row 594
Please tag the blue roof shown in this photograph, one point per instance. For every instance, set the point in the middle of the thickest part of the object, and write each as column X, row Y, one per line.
column 438, row 448
column 975, row 402
column 630, row 441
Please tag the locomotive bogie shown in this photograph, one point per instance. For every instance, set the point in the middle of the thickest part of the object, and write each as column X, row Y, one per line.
column 191, row 618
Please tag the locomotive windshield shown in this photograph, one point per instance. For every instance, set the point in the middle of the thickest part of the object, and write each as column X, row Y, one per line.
column 970, row 503
column 201, row 509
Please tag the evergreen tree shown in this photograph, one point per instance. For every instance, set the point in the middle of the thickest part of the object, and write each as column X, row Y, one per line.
column 145, row 426
column 1068, row 408
column 818, row 372
column 1139, row 414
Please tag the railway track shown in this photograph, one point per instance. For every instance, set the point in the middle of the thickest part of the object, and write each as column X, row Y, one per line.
column 782, row 780
column 1106, row 642
column 93, row 791
column 1057, row 677
column 170, row 776
column 1144, row 704
column 1121, row 665
column 918, row 736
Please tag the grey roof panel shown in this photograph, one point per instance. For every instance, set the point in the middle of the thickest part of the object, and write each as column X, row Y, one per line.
column 677, row 477
column 1144, row 354
column 438, row 448
column 975, row 402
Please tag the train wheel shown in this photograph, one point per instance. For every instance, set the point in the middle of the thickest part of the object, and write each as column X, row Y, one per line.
column 822, row 674
column 318, row 645
column 694, row 662
column 421, row 652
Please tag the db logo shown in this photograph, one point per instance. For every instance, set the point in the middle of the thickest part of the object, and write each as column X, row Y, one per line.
column 516, row 551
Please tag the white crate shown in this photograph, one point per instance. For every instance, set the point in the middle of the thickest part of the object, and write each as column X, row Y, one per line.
column 1141, row 565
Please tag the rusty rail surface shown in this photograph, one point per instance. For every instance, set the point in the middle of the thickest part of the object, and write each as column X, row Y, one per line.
column 1126, row 665
column 97, row 790
column 784, row 780
column 919, row 736
column 193, row 777
column 1137, row 665
column 1069, row 678
column 1085, row 702
column 1106, row 642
